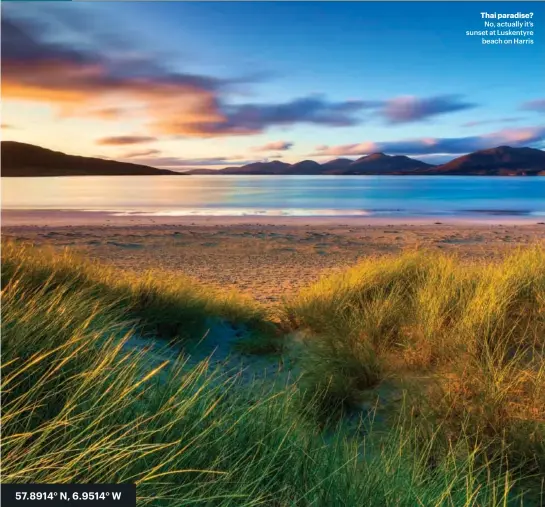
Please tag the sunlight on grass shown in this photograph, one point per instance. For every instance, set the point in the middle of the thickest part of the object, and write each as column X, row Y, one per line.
column 165, row 305
column 80, row 405
column 474, row 331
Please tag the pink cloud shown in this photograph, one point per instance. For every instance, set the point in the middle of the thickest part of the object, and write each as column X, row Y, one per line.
column 518, row 137
column 274, row 146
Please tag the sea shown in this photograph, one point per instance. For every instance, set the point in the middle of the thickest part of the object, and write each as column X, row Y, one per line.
column 230, row 195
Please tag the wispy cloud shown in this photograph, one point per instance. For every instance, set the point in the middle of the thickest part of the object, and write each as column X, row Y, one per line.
column 142, row 153
column 109, row 113
column 274, row 146
column 90, row 82
column 124, row 140
column 436, row 159
column 413, row 109
column 314, row 109
column 537, row 105
column 184, row 163
column 478, row 123
column 530, row 136
column 87, row 83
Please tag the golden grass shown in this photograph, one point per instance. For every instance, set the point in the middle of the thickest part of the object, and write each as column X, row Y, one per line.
column 164, row 305
column 78, row 406
column 474, row 330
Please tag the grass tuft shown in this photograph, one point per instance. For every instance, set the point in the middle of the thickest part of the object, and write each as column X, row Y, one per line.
column 472, row 331
column 172, row 307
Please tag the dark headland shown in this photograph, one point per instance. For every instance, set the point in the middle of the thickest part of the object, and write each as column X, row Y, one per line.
column 21, row 159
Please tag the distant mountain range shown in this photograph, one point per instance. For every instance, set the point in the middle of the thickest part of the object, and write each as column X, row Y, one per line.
column 501, row 161
column 20, row 159
column 377, row 163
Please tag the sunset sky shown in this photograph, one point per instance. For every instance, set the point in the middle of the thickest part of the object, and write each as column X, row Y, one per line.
column 182, row 85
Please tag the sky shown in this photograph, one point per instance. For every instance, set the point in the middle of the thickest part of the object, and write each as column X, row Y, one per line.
column 182, row 85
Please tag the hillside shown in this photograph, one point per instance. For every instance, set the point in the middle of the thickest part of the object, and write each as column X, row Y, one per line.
column 274, row 167
column 21, row 159
column 500, row 161
column 376, row 163
column 379, row 163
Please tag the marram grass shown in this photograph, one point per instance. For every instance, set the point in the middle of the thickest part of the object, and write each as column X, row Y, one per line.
column 165, row 305
column 79, row 406
column 469, row 336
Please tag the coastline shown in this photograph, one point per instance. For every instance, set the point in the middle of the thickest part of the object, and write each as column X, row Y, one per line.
column 67, row 218
column 264, row 257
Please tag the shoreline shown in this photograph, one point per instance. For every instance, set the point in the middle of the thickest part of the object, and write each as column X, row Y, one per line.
column 73, row 218
column 266, row 258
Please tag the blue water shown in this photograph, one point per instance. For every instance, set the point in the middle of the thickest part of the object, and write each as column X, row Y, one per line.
column 281, row 195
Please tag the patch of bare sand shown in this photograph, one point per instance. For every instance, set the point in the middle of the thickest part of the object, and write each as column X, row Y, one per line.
column 269, row 260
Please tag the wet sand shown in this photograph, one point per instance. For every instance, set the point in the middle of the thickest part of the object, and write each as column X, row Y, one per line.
column 265, row 257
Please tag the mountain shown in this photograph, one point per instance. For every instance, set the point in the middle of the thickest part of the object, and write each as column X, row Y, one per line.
column 274, row 167
column 379, row 163
column 376, row 163
column 305, row 167
column 204, row 171
column 337, row 164
column 21, row 159
column 500, row 161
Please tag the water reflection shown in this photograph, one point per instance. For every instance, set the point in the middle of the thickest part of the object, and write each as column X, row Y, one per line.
column 297, row 195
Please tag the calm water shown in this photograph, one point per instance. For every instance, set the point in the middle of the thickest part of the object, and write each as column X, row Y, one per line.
column 284, row 195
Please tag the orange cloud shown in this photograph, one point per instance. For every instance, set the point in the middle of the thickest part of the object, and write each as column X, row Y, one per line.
column 85, row 83
column 79, row 89
column 109, row 113
column 124, row 140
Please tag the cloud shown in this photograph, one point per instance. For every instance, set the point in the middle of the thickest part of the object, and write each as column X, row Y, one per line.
column 537, row 106
column 19, row 45
column 91, row 76
column 124, row 140
column 478, row 123
column 314, row 109
column 221, row 119
column 347, row 149
column 109, row 113
column 413, row 109
column 7, row 126
column 87, row 81
column 436, row 159
column 142, row 153
column 80, row 83
column 433, row 146
column 274, row 146
column 184, row 163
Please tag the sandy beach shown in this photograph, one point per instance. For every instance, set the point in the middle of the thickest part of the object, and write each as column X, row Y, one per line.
column 265, row 257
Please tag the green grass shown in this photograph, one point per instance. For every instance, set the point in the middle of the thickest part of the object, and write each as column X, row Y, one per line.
column 79, row 406
column 472, row 334
column 162, row 304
